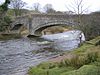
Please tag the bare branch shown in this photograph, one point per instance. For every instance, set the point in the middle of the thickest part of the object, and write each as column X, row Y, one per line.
column 77, row 7
column 83, row 10
column 36, row 7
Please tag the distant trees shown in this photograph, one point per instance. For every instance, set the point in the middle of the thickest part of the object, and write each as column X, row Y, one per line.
column 78, row 8
column 48, row 8
column 36, row 7
column 84, row 22
column 17, row 5
column 91, row 25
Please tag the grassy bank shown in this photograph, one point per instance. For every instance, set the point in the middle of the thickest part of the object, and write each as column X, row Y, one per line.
column 81, row 61
column 9, row 36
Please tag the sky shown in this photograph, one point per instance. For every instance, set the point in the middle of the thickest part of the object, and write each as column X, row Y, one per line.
column 61, row 5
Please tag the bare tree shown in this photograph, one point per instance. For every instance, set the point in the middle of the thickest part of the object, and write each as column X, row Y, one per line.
column 36, row 7
column 17, row 5
column 78, row 7
column 48, row 8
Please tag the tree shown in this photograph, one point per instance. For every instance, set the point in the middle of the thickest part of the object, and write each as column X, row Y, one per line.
column 94, row 25
column 4, row 8
column 91, row 25
column 78, row 8
column 17, row 5
column 4, row 19
column 49, row 9
column 36, row 7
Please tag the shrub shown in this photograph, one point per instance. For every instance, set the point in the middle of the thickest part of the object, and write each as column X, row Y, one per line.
column 79, row 60
column 92, row 56
column 85, row 70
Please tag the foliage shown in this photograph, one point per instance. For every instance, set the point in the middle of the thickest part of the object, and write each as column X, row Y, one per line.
column 5, row 23
column 4, row 6
column 17, row 5
column 90, row 25
column 85, row 70
column 49, row 9
column 4, row 19
column 94, row 41
column 83, row 48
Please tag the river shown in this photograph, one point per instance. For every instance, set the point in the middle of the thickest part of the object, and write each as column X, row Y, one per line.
column 17, row 55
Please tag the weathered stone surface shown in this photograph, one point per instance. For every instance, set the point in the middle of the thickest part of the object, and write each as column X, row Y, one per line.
column 35, row 23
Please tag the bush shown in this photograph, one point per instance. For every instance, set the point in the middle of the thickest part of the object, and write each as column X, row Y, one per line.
column 77, row 60
column 5, row 23
column 85, row 70
column 92, row 56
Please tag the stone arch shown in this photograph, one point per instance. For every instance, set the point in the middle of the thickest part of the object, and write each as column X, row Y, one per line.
column 39, row 28
column 20, row 29
column 16, row 26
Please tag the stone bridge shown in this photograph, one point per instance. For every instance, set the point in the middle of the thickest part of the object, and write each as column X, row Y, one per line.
column 35, row 23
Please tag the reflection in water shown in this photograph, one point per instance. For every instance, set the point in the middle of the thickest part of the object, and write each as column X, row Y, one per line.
column 16, row 55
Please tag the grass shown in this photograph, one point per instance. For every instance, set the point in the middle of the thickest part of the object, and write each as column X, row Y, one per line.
column 9, row 36
column 52, row 71
column 84, row 60
column 36, row 71
column 88, row 45
column 94, row 41
column 82, row 49
column 59, row 71
column 85, row 70
column 78, row 60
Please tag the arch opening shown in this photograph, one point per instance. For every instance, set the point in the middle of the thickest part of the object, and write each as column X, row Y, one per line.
column 17, row 26
column 53, row 29
column 20, row 29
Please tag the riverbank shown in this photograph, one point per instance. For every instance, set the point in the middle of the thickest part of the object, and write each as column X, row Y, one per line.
column 9, row 36
column 81, row 61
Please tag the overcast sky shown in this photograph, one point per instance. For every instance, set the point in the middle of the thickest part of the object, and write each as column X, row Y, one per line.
column 60, row 5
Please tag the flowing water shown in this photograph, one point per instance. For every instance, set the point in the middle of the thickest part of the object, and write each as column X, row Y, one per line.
column 16, row 56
